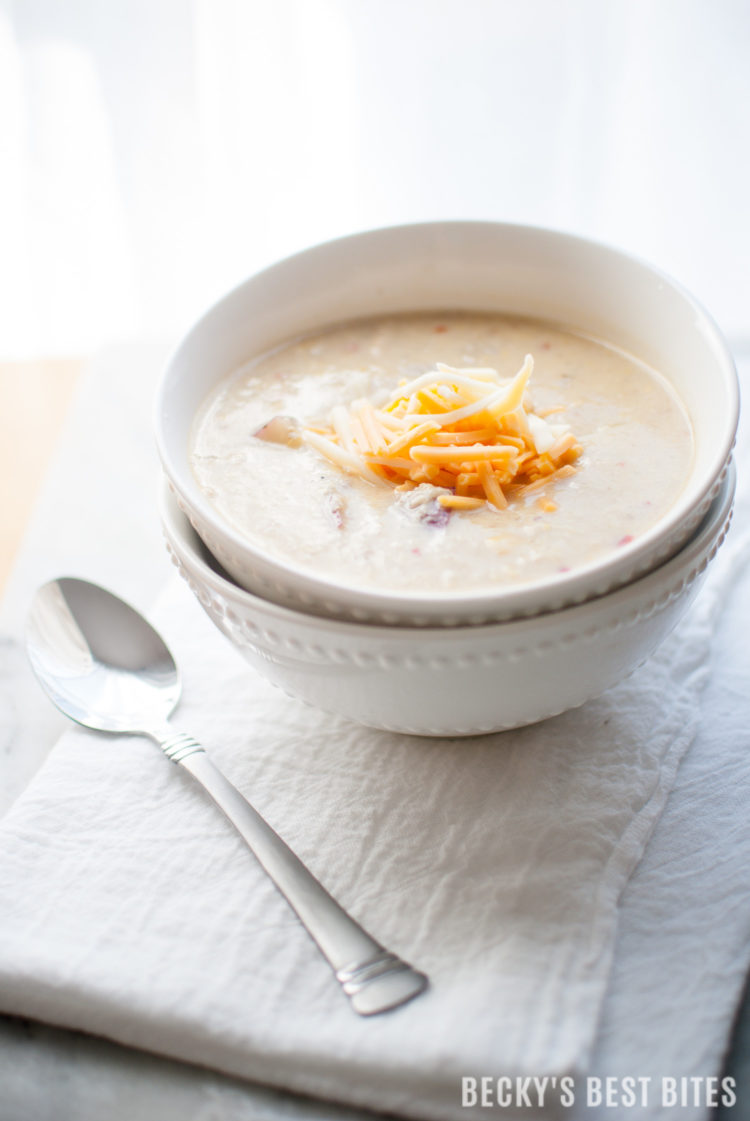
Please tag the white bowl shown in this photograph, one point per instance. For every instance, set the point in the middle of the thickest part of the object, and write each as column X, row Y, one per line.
column 461, row 265
column 452, row 681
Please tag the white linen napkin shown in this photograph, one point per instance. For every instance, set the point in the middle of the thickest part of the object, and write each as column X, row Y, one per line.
column 130, row 909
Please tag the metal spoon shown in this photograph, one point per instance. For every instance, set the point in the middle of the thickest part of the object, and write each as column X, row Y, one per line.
column 103, row 665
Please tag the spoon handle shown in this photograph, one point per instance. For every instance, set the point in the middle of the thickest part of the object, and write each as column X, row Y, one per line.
column 374, row 979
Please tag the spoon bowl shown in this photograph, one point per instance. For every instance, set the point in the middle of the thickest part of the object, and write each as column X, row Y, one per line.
column 99, row 660
column 106, row 667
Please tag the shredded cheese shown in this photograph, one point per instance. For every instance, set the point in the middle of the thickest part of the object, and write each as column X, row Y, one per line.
column 468, row 431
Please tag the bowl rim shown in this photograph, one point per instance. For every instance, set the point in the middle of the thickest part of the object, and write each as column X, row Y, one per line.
column 337, row 599
column 651, row 587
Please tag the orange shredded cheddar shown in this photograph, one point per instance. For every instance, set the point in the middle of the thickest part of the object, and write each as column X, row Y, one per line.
column 411, row 436
column 562, row 445
column 468, row 431
column 426, row 453
column 473, row 436
column 491, row 486
column 460, row 502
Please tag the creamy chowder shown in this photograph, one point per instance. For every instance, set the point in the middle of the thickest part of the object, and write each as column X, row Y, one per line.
column 334, row 453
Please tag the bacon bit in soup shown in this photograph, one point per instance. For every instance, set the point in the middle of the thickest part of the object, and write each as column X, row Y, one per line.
column 467, row 431
column 335, row 508
column 626, row 539
column 435, row 514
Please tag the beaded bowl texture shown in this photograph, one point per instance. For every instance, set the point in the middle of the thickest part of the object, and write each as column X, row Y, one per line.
column 451, row 681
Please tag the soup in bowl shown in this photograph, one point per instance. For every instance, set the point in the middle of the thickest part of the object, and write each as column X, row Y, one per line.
column 447, row 424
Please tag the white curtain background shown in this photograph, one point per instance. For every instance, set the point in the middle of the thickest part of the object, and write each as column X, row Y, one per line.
column 155, row 152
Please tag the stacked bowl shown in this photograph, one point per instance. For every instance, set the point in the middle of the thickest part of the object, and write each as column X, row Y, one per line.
column 455, row 662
